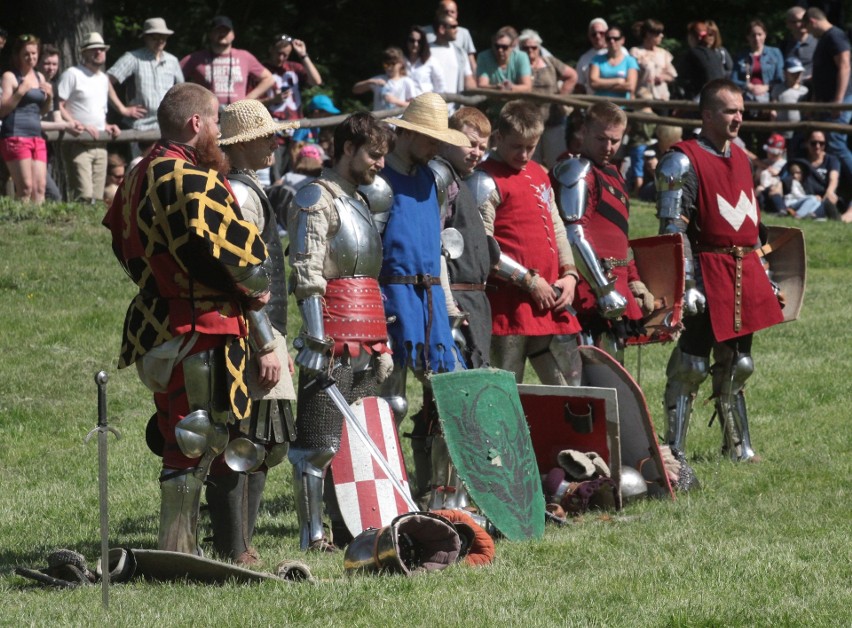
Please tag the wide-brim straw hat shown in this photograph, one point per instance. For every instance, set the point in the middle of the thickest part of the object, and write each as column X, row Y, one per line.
column 247, row 120
column 427, row 114
column 155, row 26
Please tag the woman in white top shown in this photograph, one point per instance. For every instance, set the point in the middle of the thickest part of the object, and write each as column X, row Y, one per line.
column 391, row 89
column 419, row 63
column 656, row 70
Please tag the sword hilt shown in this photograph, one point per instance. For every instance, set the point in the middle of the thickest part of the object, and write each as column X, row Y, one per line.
column 101, row 379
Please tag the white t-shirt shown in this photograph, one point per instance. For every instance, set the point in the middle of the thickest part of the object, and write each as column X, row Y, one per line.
column 446, row 59
column 427, row 76
column 86, row 95
column 402, row 87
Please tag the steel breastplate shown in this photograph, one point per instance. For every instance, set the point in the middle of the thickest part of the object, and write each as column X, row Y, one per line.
column 356, row 248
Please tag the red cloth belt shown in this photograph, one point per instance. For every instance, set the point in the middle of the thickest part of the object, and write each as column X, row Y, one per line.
column 467, row 286
column 354, row 315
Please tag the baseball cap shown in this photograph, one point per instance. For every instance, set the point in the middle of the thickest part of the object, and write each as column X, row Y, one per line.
column 222, row 21
column 775, row 143
column 321, row 102
column 793, row 64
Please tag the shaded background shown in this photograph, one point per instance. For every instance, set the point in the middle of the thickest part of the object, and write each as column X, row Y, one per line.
column 345, row 37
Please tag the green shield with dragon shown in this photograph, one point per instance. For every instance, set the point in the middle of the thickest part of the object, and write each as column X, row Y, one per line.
column 489, row 443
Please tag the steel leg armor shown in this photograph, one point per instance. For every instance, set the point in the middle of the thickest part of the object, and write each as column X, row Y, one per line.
column 180, row 497
column 730, row 372
column 393, row 391
column 309, row 467
column 233, row 500
column 447, row 489
column 684, row 374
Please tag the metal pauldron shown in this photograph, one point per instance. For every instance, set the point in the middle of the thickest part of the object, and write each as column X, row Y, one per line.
column 379, row 195
column 481, row 185
column 443, row 179
column 573, row 193
column 669, row 178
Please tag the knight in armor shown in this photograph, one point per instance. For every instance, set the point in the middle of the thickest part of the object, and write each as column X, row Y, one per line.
column 467, row 304
column 611, row 298
column 335, row 258
column 535, row 277
column 199, row 267
column 237, row 478
column 418, row 322
column 705, row 191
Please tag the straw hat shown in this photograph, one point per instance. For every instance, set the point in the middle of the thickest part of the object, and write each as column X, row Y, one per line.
column 93, row 40
column 246, row 120
column 427, row 114
column 155, row 26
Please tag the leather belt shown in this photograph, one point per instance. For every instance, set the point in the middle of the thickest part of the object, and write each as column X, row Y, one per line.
column 417, row 280
column 738, row 253
column 463, row 287
column 422, row 281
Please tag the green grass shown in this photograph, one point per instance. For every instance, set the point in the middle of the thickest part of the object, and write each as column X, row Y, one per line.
column 765, row 544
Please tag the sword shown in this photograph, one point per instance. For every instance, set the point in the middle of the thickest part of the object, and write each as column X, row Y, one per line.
column 327, row 384
column 103, row 430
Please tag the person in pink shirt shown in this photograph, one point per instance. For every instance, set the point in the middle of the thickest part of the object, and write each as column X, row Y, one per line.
column 230, row 73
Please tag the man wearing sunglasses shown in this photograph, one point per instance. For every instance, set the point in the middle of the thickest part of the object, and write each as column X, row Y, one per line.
column 705, row 191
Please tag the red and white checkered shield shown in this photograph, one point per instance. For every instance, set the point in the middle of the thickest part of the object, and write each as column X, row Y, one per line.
column 367, row 498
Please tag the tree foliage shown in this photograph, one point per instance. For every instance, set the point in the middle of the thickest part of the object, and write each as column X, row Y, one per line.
column 345, row 37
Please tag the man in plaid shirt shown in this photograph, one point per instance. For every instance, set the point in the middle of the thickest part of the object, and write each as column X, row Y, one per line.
column 154, row 72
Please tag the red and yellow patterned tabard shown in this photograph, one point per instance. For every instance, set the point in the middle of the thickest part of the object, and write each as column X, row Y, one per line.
column 728, row 217
column 173, row 227
column 523, row 226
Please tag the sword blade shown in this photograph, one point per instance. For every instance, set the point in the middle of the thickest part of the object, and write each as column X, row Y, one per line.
column 355, row 425
column 103, row 500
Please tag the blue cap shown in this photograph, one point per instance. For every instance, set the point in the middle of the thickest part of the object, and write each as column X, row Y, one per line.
column 793, row 64
column 321, row 102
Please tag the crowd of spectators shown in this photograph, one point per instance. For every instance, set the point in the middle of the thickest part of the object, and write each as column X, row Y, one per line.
column 811, row 63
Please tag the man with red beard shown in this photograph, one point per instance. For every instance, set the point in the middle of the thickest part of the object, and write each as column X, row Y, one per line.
column 705, row 191
column 611, row 299
column 177, row 232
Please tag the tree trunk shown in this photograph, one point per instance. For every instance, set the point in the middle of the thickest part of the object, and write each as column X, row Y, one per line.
column 65, row 23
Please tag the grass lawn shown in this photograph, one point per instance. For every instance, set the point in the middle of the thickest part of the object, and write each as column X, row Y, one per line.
column 764, row 544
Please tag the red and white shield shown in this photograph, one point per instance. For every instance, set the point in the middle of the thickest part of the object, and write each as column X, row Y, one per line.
column 367, row 498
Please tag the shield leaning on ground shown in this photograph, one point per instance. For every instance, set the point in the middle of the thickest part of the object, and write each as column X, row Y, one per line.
column 367, row 498
column 489, row 443
column 638, row 438
column 788, row 263
column 572, row 417
column 164, row 565
column 659, row 262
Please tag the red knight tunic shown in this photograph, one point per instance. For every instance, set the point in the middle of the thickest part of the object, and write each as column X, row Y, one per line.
column 739, row 296
column 605, row 224
column 523, row 226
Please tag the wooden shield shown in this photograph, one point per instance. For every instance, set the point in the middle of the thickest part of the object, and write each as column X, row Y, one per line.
column 572, row 417
column 489, row 443
column 788, row 263
column 367, row 498
column 637, row 436
column 659, row 261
